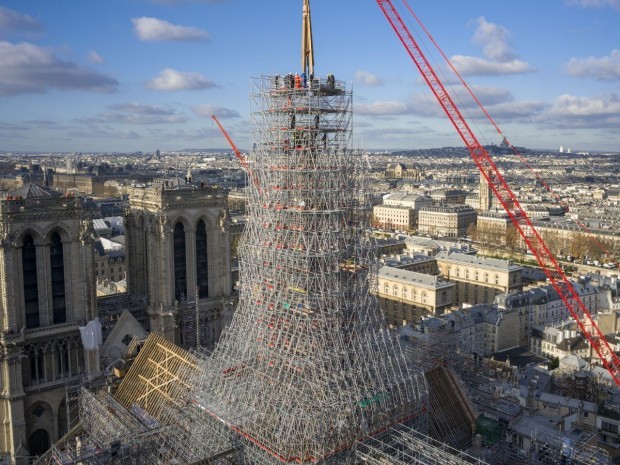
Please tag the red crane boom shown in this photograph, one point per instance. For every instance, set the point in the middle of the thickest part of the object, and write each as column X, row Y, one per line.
column 238, row 154
column 506, row 197
column 561, row 202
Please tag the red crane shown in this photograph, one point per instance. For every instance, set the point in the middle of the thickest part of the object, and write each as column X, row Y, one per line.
column 506, row 197
column 238, row 154
column 561, row 202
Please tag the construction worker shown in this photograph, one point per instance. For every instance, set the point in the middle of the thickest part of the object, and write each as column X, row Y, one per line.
column 304, row 80
column 331, row 81
column 297, row 81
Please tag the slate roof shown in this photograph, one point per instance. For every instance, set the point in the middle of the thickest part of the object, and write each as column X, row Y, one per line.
column 32, row 191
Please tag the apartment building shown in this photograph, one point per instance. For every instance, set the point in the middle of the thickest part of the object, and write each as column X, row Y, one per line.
column 394, row 217
column 407, row 200
column 406, row 296
column 449, row 196
column 481, row 329
column 479, row 279
column 412, row 262
column 492, row 227
column 446, row 220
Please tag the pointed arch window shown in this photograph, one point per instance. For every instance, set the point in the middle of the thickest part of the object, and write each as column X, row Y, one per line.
column 202, row 274
column 36, row 358
column 62, row 360
column 31, row 285
column 180, row 273
column 39, row 442
column 57, row 263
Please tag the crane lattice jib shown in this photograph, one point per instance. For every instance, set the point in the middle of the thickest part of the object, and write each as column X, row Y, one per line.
column 238, row 154
column 561, row 202
column 507, row 198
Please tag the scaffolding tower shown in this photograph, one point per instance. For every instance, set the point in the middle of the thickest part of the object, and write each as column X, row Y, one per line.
column 307, row 367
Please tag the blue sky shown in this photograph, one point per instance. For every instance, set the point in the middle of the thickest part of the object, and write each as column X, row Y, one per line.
column 128, row 75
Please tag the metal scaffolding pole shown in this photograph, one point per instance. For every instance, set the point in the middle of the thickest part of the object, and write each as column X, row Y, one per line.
column 307, row 367
column 403, row 446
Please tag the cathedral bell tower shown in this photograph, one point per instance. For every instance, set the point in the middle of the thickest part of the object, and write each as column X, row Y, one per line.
column 47, row 291
column 178, row 251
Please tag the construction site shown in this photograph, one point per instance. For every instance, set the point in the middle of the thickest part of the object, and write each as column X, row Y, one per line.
column 307, row 371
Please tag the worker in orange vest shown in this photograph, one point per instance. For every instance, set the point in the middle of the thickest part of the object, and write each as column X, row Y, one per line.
column 297, row 81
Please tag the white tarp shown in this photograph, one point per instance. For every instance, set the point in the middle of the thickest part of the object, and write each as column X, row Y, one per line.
column 91, row 334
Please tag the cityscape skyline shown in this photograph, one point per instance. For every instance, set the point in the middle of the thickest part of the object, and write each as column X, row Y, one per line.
column 129, row 80
column 308, row 303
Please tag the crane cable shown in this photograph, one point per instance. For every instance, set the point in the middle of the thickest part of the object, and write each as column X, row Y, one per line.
column 562, row 203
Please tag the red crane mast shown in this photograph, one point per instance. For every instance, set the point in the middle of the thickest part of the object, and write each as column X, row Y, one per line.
column 506, row 197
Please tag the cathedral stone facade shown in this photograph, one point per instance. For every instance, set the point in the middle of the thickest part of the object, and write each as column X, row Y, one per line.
column 47, row 291
column 178, row 251
column 178, row 248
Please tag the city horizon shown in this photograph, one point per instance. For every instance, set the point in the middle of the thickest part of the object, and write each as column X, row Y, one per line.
column 129, row 81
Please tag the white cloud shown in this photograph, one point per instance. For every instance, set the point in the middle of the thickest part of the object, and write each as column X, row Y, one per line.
column 136, row 113
column 586, row 106
column 220, row 112
column 494, row 40
column 183, row 134
column 94, row 57
column 595, row 3
column 513, row 112
column 489, row 95
column 500, row 57
column 468, row 66
column 13, row 126
column 27, row 68
column 425, row 104
column 17, row 22
column 105, row 133
column 603, row 69
column 569, row 111
column 384, row 108
column 151, row 29
column 498, row 102
column 367, row 78
column 140, row 108
column 171, row 79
